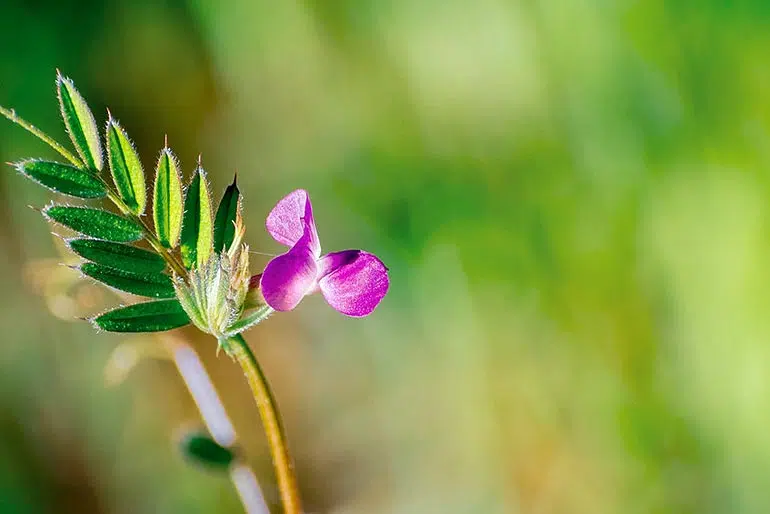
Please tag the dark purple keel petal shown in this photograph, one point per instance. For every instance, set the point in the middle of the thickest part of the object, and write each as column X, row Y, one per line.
column 353, row 282
column 290, row 218
column 288, row 278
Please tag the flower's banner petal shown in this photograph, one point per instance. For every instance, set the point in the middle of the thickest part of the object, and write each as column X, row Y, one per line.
column 290, row 218
column 197, row 228
column 200, row 448
column 289, row 277
column 95, row 223
column 80, row 123
column 61, row 178
column 224, row 222
column 151, row 285
column 156, row 316
column 119, row 256
column 126, row 168
column 167, row 202
column 353, row 281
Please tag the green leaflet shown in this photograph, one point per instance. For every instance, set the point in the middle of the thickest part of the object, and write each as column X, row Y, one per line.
column 167, row 204
column 80, row 123
column 151, row 285
column 126, row 168
column 62, row 178
column 95, row 223
column 117, row 255
column 197, row 230
column 155, row 316
column 200, row 448
column 224, row 223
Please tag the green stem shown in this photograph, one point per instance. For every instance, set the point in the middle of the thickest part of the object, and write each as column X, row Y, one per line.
column 271, row 421
column 11, row 115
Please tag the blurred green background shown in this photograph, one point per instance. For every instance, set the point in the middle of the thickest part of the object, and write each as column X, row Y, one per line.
column 572, row 198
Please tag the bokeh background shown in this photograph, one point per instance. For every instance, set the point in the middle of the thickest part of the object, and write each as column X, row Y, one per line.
column 573, row 199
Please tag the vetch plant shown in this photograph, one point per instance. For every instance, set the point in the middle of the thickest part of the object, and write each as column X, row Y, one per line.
column 192, row 260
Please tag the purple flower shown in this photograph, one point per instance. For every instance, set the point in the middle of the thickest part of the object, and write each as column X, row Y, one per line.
column 352, row 281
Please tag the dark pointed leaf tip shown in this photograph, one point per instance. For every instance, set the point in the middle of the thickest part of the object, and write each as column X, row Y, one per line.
column 224, row 226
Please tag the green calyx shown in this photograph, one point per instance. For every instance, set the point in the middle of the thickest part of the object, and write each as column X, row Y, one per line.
column 215, row 298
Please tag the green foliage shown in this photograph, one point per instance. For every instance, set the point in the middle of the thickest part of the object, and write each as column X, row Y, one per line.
column 62, row 178
column 80, row 123
column 156, row 316
column 95, row 223
column 118, row 256
column 197, row 229
column 201, row 449
column 152, row 285
column 211, row 287
column 167, row 204
column 126, row 168
column 224, row 223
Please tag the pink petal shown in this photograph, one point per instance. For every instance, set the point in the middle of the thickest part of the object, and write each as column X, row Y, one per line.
column 289, row 277
column 290, row 218
column 353, row 281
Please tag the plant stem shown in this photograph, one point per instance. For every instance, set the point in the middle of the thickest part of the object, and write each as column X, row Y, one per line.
column 218, row 423
column 129, row 353
column 271, row 421
column 29, row 127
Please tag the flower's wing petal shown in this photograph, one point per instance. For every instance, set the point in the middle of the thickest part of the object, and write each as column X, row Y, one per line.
column 290, row 218
column 289, row 277
column 353, row 281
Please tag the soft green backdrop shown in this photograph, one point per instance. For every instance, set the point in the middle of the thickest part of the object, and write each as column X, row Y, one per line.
column 573, row 198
